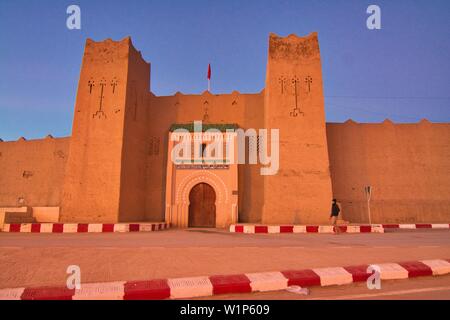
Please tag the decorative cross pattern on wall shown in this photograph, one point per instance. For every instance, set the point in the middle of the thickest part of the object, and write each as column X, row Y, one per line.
column 294, row 84
column 282, row 81
column 100, row 113
column 91, row 83
column 296, row 110
column 308, row 81
column 114, row 84
column 102, row 84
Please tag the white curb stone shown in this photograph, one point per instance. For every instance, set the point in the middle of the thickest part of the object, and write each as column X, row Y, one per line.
column 377, row 228
column 267, row 281
column 46, row 227
column 11, row 294
column 273, row 229
column 249, row 229
column 326, row 229
column 333, row 276
column 25, row 227
column 70, row 227
column 391, row 271
column 407, row 226
column 121, row 228
column 439, row 267
column 190, row 287
column 439, row 226
column 95, row 227
column 353, row 229
column 299, row 229
column 147, row 227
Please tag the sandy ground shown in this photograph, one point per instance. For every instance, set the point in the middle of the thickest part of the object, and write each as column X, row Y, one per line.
column 42, row 259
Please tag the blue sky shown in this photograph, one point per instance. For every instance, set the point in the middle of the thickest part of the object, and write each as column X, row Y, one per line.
column 401, row 72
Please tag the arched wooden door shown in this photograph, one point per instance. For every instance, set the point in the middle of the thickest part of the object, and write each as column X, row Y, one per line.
column 202, row 206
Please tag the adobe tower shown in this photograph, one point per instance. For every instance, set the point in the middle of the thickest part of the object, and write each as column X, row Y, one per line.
column 105, row 170
column 294, row 104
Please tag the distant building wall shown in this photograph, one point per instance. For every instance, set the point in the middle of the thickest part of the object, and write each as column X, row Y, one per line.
column 32, row 172
column 407, row 165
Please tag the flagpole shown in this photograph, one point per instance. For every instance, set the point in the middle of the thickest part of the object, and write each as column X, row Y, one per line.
column 209, row 77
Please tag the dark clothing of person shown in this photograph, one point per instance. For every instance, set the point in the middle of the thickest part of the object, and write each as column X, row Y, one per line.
column 335, row 210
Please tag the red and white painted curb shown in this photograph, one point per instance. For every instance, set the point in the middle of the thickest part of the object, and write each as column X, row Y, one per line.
column 83, row 227
column 374, row 228
column 247, row 228
column 184, row 288
column 417, row 226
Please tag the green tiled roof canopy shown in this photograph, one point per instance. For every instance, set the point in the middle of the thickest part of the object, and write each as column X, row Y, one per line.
column 190, row 126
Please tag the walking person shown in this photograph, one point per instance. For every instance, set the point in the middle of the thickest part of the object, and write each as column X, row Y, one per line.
column 334, row 215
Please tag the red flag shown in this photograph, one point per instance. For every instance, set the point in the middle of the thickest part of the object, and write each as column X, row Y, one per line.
column 209, row 71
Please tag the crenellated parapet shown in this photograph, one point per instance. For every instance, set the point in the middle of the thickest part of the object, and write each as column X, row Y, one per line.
column 208, row 106
column 108, row 50
column 384, row 124
column 25, row 140
column 294, row 48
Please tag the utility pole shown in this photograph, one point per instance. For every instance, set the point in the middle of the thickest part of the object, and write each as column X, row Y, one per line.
column 368, row 192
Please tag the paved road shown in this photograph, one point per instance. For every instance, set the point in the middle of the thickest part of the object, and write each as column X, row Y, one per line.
column 42, row 259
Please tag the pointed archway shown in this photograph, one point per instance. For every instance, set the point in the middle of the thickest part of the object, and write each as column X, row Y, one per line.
column 202, row 206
